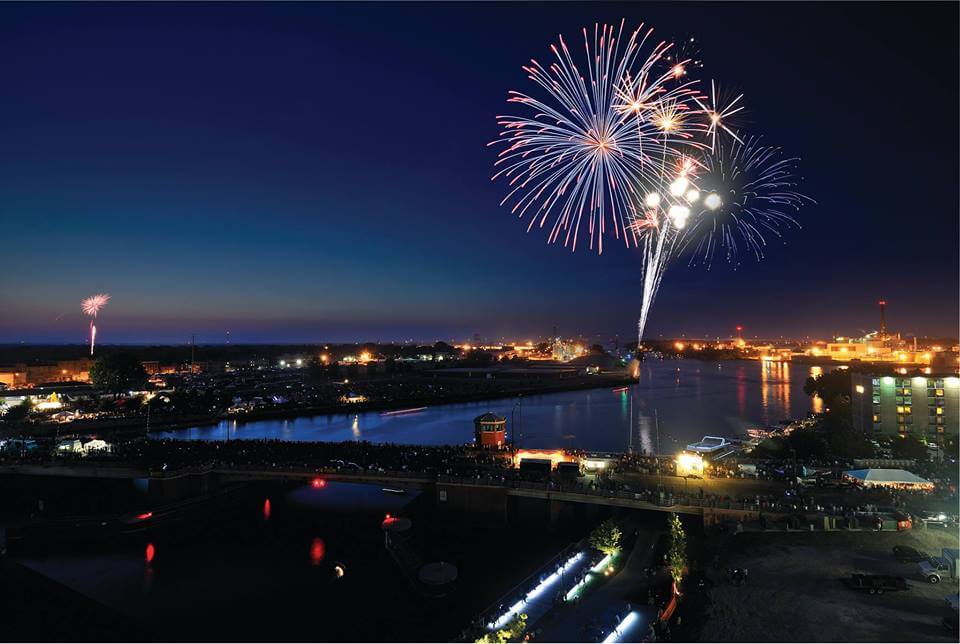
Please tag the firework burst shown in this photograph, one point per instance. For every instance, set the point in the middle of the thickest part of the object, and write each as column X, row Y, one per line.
column 91, row 306
column 752, row 195
column 621, row 140
column 595, row 143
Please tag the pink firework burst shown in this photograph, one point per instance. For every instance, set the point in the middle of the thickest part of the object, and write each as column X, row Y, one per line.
column 92, row 305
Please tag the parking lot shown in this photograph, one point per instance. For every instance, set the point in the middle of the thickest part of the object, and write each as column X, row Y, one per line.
column 794, row 590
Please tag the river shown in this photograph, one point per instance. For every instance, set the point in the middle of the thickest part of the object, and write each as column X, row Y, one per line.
column 674, row 402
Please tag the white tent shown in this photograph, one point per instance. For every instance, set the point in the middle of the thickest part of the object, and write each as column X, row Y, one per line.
column 876, row 477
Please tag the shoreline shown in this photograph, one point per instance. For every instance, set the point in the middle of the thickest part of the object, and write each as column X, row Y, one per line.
column 126, row 427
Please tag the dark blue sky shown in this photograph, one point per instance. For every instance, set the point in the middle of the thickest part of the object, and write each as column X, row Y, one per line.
column 312, row 172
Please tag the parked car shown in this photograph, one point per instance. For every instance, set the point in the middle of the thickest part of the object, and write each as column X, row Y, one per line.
column 936, row 518
column 936, row 569
column 906, row 554
column 875, row 584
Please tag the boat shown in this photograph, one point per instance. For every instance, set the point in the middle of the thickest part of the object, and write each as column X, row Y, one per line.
column 402, row 411
column 390, row 490
column 709, row 445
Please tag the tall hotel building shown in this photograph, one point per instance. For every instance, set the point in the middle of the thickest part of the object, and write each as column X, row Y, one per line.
column 922, row 406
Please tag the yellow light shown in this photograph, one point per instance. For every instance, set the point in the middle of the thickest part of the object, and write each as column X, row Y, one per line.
column 714, row 118
column 652, row 200
column 693, row 195
column 678, row 215
column 679, row 186
column 689, row 464
column 365, row 356
column 678, row 70
column 860, row 389
column 679, row 346
column 903, row 357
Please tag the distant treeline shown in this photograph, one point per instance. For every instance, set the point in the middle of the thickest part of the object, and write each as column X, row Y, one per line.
column 170, row 354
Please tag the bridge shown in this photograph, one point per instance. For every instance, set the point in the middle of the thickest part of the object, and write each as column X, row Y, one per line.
column 471, row 494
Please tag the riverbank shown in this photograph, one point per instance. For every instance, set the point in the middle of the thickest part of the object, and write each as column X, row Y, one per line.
column 126, row 427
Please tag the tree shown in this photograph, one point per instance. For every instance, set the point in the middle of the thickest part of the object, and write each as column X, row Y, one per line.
column 118, row 372
column 511, row 632
column 910, row 447
column 831, row 387
column 18, row 413
column 606, row 537
column 677, row 556
column 808, row 443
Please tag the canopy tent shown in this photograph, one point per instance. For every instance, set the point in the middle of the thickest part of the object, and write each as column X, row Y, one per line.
column 876, row 477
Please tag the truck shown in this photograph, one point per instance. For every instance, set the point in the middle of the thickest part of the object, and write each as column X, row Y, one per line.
column 875, row 584
column 936, row 569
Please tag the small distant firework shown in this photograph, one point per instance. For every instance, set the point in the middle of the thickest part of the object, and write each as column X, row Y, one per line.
column 91, row 306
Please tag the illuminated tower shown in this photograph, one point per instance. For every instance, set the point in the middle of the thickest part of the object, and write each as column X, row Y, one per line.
column 883, row 319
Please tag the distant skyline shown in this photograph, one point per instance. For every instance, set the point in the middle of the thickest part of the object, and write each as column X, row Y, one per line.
column 298, row 173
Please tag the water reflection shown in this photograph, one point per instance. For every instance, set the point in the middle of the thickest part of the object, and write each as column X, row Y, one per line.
column 692, row 398
column 816, row 401
column 318, row 549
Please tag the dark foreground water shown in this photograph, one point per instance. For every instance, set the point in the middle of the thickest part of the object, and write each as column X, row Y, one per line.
column 288, row 562
column 689, row 398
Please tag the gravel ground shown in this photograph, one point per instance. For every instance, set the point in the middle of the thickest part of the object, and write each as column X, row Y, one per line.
column 794, row 591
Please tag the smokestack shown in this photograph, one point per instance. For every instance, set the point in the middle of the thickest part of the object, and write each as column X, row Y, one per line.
column 883, row 318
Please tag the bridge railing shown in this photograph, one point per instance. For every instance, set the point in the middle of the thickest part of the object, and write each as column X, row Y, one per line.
column 651, row 496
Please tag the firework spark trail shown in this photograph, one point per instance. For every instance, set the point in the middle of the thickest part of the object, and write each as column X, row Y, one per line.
column 91, row 306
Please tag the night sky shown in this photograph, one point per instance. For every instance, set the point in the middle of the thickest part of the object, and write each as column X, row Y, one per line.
column 312, row 172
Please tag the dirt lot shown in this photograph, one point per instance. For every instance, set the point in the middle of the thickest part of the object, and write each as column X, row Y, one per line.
column 794, row 591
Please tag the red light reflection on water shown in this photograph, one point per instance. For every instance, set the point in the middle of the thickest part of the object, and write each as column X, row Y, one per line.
column 318, row 483
column 266, row 509
column 318, row 549
column 150, row 553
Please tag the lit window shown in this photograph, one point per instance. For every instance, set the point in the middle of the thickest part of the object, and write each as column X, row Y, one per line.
column 860, row 389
